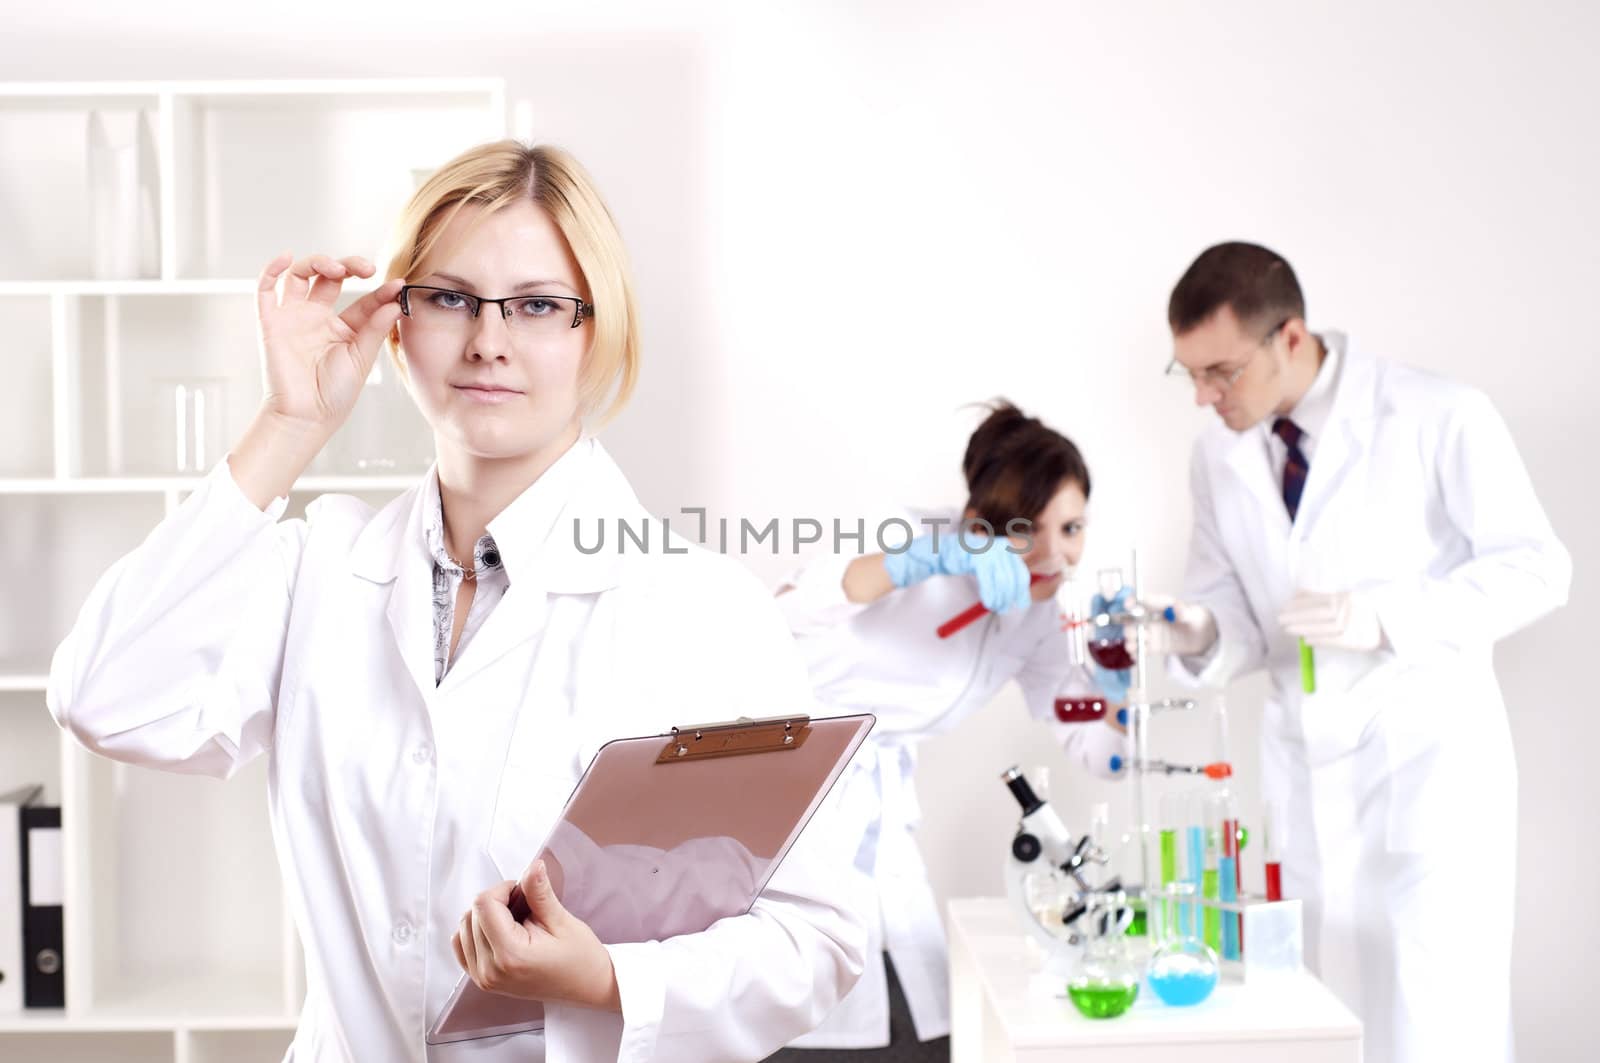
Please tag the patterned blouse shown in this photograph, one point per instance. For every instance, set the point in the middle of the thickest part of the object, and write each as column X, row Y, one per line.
column 489, row 573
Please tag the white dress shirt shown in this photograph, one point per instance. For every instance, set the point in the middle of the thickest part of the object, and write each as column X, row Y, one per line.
column 1310, row 414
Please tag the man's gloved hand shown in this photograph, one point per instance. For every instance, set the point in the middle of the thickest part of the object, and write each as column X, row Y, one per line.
column 1343, row 620
column 1003, row 580
column 1190, row 632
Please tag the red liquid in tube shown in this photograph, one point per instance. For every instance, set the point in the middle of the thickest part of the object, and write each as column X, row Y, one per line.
column 1274, row 881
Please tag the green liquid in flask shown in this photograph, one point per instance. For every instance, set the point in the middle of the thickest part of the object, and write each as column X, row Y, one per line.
column 1103, row 1000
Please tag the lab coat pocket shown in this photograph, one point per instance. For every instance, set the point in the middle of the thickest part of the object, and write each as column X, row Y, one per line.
column 1451, row 776
column 1339, row 717
column 1334, row 725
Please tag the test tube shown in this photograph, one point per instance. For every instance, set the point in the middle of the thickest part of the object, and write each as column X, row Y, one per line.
column 1211, row 923
column 1194, row 864
column 1272, row 859
column 1172, row 821
column 1227, row 825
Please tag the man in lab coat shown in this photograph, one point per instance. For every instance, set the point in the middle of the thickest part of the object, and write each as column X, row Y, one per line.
column 1381, row 516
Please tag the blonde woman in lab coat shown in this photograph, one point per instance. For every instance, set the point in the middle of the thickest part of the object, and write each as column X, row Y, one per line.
column 866, row 627
column 428, row 679
column 1381, row 515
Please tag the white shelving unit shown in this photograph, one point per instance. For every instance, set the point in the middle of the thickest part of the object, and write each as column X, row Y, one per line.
column 178, row 943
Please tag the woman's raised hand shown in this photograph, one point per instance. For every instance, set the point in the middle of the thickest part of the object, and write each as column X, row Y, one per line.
column 316, row 359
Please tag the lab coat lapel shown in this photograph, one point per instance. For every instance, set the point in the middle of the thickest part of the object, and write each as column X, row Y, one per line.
column 410, row 614
column 1255, row 516
column 542, row 558
column 1246, row 459
column 391, row 549
column 1344, row 439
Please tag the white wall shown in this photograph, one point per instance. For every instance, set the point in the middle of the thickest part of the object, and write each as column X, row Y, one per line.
column 850, row 219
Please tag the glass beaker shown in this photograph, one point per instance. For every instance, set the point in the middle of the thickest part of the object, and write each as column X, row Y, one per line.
column 1107, row 980
column 1183, row 969
column 1078, row 697
column 1107, row 642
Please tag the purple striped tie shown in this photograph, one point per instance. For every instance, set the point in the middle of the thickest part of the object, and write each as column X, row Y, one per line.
column 1294, row 469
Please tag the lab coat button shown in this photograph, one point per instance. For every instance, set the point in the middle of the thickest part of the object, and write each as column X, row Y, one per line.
column 402, row 932
column 422, row 755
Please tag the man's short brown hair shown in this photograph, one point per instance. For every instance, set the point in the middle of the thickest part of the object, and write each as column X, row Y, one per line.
column 1258, row 284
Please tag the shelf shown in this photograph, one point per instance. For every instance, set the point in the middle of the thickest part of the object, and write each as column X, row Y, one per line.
column 45, row 91
column 22, row 683
column 206, row 887
column 31, row 749
column 137, row 216
column 180, row 286
column 27, row 422
column 156, row 485
column 68, row 1044
column 251, row 169
column 86, row 202
column 63, row 544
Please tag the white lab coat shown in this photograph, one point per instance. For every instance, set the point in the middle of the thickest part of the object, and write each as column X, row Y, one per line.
column 228, row 634
column 1397, row 775
column 885, row 658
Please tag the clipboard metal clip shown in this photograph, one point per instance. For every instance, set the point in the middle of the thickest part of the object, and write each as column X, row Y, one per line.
column 772, row 734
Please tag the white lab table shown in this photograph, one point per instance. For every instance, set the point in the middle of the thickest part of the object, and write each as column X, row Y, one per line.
column 1002, row 1013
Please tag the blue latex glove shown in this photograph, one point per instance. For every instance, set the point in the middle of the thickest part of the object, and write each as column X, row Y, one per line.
column 1114, row 682
column 1003, row 580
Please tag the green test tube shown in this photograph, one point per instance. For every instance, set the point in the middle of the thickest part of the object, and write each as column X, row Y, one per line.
column 1308, row 668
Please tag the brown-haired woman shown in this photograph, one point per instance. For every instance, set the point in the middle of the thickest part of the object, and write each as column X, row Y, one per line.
column 867, row 628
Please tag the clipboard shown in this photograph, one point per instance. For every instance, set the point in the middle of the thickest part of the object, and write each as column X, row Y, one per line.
column 666, row 834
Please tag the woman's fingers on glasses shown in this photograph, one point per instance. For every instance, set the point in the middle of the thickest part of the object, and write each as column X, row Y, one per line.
column 358, row 313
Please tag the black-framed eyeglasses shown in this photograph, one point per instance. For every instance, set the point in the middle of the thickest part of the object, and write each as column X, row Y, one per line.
column 447, row 308
column 1221, row 377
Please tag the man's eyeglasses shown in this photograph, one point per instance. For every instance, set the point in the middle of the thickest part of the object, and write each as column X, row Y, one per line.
column 1222, row 377
column 442, row 308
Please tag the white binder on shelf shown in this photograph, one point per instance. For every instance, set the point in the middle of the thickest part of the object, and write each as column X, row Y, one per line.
column 11, row 951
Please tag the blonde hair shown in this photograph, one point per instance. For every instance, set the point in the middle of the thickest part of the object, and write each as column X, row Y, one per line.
column 501, row 173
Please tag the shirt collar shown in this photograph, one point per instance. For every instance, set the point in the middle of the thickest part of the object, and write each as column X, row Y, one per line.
column 536, row 534
column 1310, row 414
column 485, row 554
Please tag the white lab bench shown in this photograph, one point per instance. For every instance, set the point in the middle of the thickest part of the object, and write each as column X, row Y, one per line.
column 1002, row 1013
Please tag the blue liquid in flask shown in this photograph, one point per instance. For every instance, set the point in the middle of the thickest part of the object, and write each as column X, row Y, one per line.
column 1182, row 979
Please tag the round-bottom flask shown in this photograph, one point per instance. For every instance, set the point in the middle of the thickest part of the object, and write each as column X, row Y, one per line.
column 1107, row 980
column 1183, row 969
